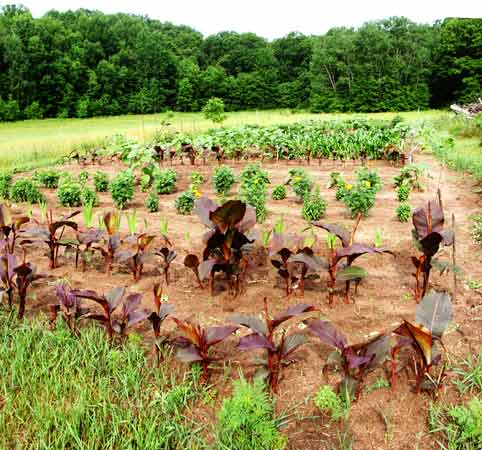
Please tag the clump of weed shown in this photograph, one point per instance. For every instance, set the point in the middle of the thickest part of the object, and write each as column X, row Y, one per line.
column 223, row 179
column 329, row 402
column 279, row 192
column 25, row 190
column 184, row 203
column 314, row 206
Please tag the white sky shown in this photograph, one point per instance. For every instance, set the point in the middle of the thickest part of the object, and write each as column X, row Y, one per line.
column 269, row 18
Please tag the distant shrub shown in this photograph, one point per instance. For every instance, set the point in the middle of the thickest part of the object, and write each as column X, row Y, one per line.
column 89, row 196
column 152, row 202
column 48, row 178
column 196, row 178
column 184, row 203
column 314, row 206
column 122, row 189
column 214, row 110
column 329, row 402
column 245, row 421
column 83, row 176
column 25, row 190
column 5, row 185
column 101, row 181
column 165, row 182
column 403, row 212
column 300, row 182
column 279, row 192
column 69, row 193
column 403, row 192
column 223, row 179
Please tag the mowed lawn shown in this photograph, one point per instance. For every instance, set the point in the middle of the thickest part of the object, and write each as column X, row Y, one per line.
column 34, row 143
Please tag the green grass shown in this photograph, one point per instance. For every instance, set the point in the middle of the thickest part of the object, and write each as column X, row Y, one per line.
column 37, row 143
column 58, row 392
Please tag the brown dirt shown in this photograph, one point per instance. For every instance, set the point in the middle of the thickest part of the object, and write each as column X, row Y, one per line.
column 383, row 299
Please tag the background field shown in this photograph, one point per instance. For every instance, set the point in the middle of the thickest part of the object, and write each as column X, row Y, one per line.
column 34, row 143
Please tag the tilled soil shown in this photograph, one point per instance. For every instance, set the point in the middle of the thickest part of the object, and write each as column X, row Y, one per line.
column 380, row 419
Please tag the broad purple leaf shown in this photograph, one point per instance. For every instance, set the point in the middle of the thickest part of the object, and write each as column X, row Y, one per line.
column 292, row 343
column 337, row 229
column 354, row 360
column 355, row 250
column 255, row 341
column 228, row 215
column 131, row 302
column 292, row 311
column 431, row 243
column 312, row 261
column 218, row 334
column 205, row 268
column 137, row 316
column 202, row 208
column 252, row 322
column 327, row 333
column 188, row 354
column 114, row 297
column 435, row 312
column 428, row 219
column 248, row 221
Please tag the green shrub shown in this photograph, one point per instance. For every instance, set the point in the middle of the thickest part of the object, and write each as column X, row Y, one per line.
column 329, row 402
column 403, row 212
column 477, row 228
column 245, row 421
column 411, row 175
column 460, row 425
column 279, row 192
column 342, row 191
column 254, row 181
column 165, row 181
column 223, row 179
column 254, row 171
column 403, row 192
column 69, row 193
column 5, row 185
column 300, row 182
column 336, row 180
column 89, row 196
column 83, row 176
column 214, row 110
column 369, row 179
column 25, row 190
column 48, row 178
column 152, row 202
column 359, row 200
column 184, row 203
column 314, row 207
column 122, row 189
column 196, row 178
column 101, row 181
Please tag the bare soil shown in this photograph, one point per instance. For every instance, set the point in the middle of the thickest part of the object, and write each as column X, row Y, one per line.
column 383, row 299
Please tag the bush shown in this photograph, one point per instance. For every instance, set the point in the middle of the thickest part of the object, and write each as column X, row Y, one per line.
column 69, row 193
column 33, row 111
column 251, row 172
column 101, row 181
column 254, row 181
column 25, row 190
column 342, row 191
column 223, row 179
column 245, row 421
column 314, row 207
column 48, row 178
column 477, row 228
column 279, row 192
column 403, row 212
column 359, row 200
column 165, row 182
column 300, row 182
column 184, row 203
column 214, row 110
column 336, row 180
column 369, row 179
column 196, row 178
column 5, row 185
column 403, row 192
column 89, row 196
column 122, row 189
column 329, row 402
column 152, row 202
column 83, row 176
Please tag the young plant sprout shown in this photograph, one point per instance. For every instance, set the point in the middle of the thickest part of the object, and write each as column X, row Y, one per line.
column 265, row 335
column 194, row 343
column 88, row 214
column 168, row 256
column 132, row 222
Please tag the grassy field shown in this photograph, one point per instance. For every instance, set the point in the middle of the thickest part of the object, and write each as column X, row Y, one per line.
column 34, row 143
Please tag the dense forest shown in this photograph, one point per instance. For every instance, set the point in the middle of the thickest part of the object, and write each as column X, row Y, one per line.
column 86, row 63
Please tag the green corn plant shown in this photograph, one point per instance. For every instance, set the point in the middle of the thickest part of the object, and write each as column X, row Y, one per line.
column 88, row 214
column 42, row 210
column 132, row 222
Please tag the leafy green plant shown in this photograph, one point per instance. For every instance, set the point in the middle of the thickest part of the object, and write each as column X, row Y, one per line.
column 165, row 182
column 403, row 191
column 254, row 181
column 370, row 179
column 336, row 180
column 469, row 374
column 5, row 185
column 194, row 343
column 300, row 182
column 214, row 110
column 69, row 193
column 25, row 190
column 245, row 420
column 89, row 196
column 403, row 212
column 101, row 181
column 196, row 178
column 48, row 178
column 412, row 176
column 359, row 200
column 265, row 335
column 477, row 228
column 279, row 192
column 88, row 214
column 131, row 217
column 184, row 203
column 459, row 425
column 122, row 189
column 83, row 177
column 314, row 206
column 331, row 403
column 152, row 202
column 223, row 179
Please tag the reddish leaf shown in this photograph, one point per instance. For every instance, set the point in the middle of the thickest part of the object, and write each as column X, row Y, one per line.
column 327, row 333
column 218, row 334
column 255, row 341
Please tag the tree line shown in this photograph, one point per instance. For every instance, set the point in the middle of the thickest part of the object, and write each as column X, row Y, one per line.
column 85, row 63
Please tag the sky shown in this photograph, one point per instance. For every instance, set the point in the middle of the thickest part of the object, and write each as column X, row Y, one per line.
column 269, row 18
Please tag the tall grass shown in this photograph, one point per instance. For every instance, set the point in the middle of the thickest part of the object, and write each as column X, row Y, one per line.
column 58, row 392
